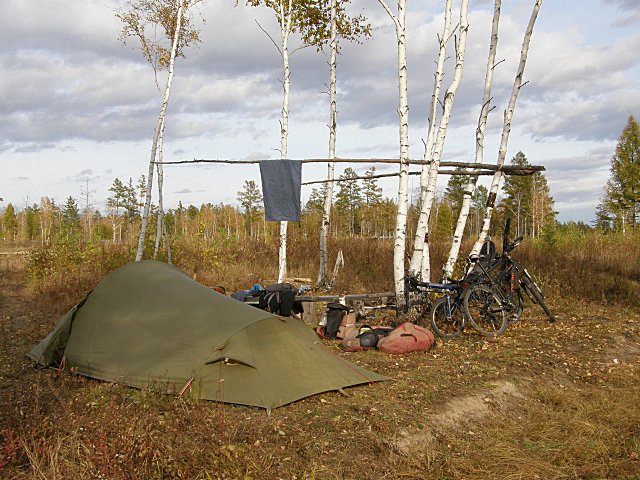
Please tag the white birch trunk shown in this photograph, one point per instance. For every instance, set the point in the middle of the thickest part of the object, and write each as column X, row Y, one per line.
column 423, row 219
column 156, row 136
column 425, row 269
column 159, row 172
column 161, row 229
column 470, row 188
column 285, row 29
column 333, row 111
column 403, row 111
column 506, row 129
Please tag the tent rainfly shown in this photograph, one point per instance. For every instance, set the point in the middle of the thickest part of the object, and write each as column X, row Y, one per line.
column 149, row 325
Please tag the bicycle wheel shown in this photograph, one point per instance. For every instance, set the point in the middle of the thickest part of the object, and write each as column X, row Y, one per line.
column 447, row 318
column 484, row 310
column 514, row 310
column 535, row 291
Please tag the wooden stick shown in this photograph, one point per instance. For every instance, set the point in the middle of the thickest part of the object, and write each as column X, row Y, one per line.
column 349, row 160
column 514, row 170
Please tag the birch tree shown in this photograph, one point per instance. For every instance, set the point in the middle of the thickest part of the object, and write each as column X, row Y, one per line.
column 172, row 17
column 333, row 114
column 423, row 219
column 311, row 20
column 479, row 157
column 506, row 128
column 421, row 250
column 161, row 228
column 399, row 21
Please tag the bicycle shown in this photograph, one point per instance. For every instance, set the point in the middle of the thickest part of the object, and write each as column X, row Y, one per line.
column 449, row 313
column 447, row 316
column 505, row 277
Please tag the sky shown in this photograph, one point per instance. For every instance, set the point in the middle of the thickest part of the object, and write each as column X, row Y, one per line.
column 78, row 107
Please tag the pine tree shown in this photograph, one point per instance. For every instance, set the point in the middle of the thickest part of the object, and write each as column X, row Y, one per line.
column 250, row 199
column 349, row 197
column 542, row 213
column 9, row 223
column 478, row 207
column 32, row 223
column 316, row 199
column 622, row 191
column 517, row 201
column 116, row 201
column 130, row 197
column 371, row 192
column 70, row 218
column 455, row 190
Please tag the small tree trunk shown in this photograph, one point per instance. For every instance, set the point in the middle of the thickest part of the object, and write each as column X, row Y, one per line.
column 482, row 122
column 336, row 268
column 285, row 29
column 328, row 197
column 425, row 268
column 161, row 229
column 506, row 129
column 423, row 219
column 156, row 135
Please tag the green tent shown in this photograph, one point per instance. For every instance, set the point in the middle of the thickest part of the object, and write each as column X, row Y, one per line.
column 149, row 325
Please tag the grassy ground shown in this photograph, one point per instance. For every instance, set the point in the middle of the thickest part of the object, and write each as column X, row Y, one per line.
column 543, row 401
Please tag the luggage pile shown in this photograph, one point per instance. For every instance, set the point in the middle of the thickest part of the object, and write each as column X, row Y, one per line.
column 341, row 325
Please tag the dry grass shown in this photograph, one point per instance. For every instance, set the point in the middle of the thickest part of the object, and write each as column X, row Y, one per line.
column 570, row 409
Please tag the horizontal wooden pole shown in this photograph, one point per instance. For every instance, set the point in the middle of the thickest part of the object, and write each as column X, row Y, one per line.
column 347, row 298
column 470, row 173
column 473, row 165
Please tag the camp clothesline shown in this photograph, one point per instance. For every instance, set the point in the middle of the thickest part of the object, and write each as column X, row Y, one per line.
column 476, row 169
column 352, row 160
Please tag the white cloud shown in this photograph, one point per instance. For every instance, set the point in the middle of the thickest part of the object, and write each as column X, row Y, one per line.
column 73, row 98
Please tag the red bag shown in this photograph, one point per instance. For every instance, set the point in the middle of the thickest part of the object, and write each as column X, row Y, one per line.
column 407, row 338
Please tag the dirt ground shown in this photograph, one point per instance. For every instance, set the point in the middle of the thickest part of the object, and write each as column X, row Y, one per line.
column 542, row 401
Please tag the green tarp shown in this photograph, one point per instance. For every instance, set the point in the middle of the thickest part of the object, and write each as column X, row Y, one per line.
column 149, row 325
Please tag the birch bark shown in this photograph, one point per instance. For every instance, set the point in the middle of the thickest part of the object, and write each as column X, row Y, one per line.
column 399, row 21
column 506, row 128
column 333, row 112
column 161, row 229
column 285, row 30
column 482, row 122
column 156, row 135
column 423, row 219
column 447, row 107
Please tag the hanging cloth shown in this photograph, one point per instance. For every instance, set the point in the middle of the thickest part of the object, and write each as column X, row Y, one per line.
column 281, row 184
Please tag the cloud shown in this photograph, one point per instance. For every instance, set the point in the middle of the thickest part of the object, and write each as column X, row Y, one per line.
column 72, row 90
column 32, row 147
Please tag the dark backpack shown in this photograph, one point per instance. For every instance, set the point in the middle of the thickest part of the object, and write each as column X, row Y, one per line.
column 335, row 315
column 279, row 299
column 367, row 338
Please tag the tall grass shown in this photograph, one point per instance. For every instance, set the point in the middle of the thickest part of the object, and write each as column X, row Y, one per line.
column 592, row 266
column 588, row 265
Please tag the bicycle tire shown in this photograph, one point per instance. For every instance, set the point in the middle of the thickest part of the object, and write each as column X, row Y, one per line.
column 445, row 325
column 484, row 310
column 517, row 305
column 534, row 290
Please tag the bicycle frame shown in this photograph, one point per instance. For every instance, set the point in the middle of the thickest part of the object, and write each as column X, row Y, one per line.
column 518, row 277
